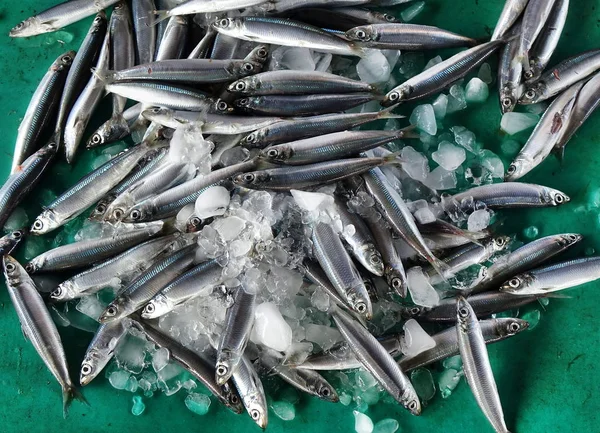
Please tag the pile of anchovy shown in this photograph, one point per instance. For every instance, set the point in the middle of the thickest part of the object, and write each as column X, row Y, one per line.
column 249, row 209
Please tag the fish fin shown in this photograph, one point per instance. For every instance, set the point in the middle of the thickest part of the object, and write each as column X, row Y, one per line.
column 103, row 75
column 387, row 113
column 556, row 296
column 559, row 152
column 393, row 158
column 160, row 16
column 69, row 393
column 440, row 267
column 409, row 132
column 24, row 334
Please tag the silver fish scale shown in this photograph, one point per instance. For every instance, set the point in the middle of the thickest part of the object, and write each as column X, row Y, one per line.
column 566, row 274
column 188, row 284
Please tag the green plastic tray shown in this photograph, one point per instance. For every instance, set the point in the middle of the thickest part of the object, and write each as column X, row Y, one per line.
column 546, row 377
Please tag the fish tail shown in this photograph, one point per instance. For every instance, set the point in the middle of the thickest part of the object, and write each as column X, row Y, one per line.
column 387, row 113
column 392, row 158
column 408, row 132
column 440, row 267
column 103, row 75
column 160, row 16
column 559, row 152
column 70, row 393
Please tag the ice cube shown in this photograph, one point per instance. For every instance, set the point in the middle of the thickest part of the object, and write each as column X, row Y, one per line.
column 160, row 359
column 465, row 138
column 188, row 145
column 493, row 163
column 485, row 73
column 345, row 399
column 454, row 362
column 411, row 12
column 229, row 228
column 415, row 340
column 362, row 423
column 169, row 378
column 414, row 163
column 91, row 306
column 478, row 220
column 423, row 383
column 130, row 354
column 448, row 156
column 441, row 179
column 17, row 220
column 212, row 202
column 440, row 106
column 476, row 91
column 510, row 148
column 100, row 160
column 197, row 403
column 320, row 300
column 239, row 247
column 296, row 58
column 538, row 108
column 532, row 317
column 388, row 425
column 322, row 61
column 424, row 215
column 456, row 99
column 513, row 123
column 423, row 117
column 270, row 329
column 531, row 232
column 326, row 337
column 311, row 201
column 364, row 379
column 421, row 291
column 374, row 67
column 434, row 61
column 284, row 410
column 392, row 57
column 234, row 155
column 412, row 64
column 138, row 406
column 448, row 381
column 118, row 379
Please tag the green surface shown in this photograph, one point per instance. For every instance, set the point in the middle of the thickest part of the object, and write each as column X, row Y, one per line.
column 546, row 377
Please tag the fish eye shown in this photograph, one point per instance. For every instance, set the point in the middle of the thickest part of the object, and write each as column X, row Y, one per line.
column 101, row 208
column 244, row 101
column 222, row 106
column 512, row 169
column 52, row 145
column 240, row 85
column 222, row 370
column 375, row 259
column 38, row 225
column 57, row 293
column 530, row 94
column 251, row 138
column 248, row 177
column 325, row 392
column 394, row 96
column 111, row 311
column 96, row 139
column 514, row 283
column 463, row 312
column 572, row 238
column 118, row 213
column 389, row 17
column 136, row 214
column 500, row 241
column 361, row 307
column 156, row 110
column 507, row 102
column 233, row 399
column 86, row 369
column 558, row 198
column 67, row 59
column 361, row 34
column 149, row 308
column 272, row 153
column 262, row 52
column 18, row 234
column 20, row 25
column 412, row 405
column 195, row 221
column 396, row 283
column 513, row 327
column 29, row 268
column 248, row 67
column 415, row 310
column 528, row 75
column 224, row 22
column 10, row 267
column 255, row 414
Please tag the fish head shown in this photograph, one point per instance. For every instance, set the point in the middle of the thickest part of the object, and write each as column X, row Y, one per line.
column 63, row 61
column 509, row 96
column 410, row 400
column 569, row 239
column 279, row 153
column 64, row 291
column 258, row 413
column 413, row 311
column 324, row 390
column 554, row 197
column 531, row 94
column 507, row 327
column 13, row 271
column 193, row 224
column 362, row 34
column 536, row 67
column 246, row 68
column 465, row 316
column 226, row 25
column 90, row 367
column 500, row 243
column 155, row 113
column 220, row 107
column 386, row 17
column 244, row 85
column 247, row 103
column 114, row 311
column 397, row 95
column 30, row 27
column 112, row 130
column 375, row 261
column 517, row 284
column 254, row 139
column 156, row 307
column 10, row 241
column 138, row 214
column 518, row 168
column 232, row 398
column 226, row 362
column 35, row 264
column 359, row 301
column 251, row 179
column 259, row 54
column 101, row 208
column 44, row 223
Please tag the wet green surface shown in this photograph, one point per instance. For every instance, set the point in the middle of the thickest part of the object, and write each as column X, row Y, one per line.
column 547, row 377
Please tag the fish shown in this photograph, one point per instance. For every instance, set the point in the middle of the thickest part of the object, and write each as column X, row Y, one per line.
column 467, row 256
column 290, row 82
column 513, row 9
column 441, row 75
column 524, row 258
column 337, row 265
column 113, row 272
column 38, row 327
column 87, row 191
column 80, row 72
column 101, row 350
column 148, row 284
column 83, row 253
column 396, row 213
column 112, row 128
column 485, row 304
column 191, row 7
column 328, row 147
column 10, row 241
column 280, row 6
column 296, row 129
column 58, row 17
column 197, row 281
column 251, row 391
column 535, row 17
column 144, row 30
column 85, row 105
column 286, row 32
column 340, row 18
column 552, row 278
column 314, row 274
column 546, row 42
column 41, row 110
column 510, row 73
column 403, row 36
column 239, row 321
column 201, row 50
column 546, row 135
column 172, row 42
column 18, row 185
column 476, row 365
column 377, row 361
column 196, row 365
column 560, row 77
column 306, row 176
column 446, row 342
column 508, row 195
column 301, row 105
